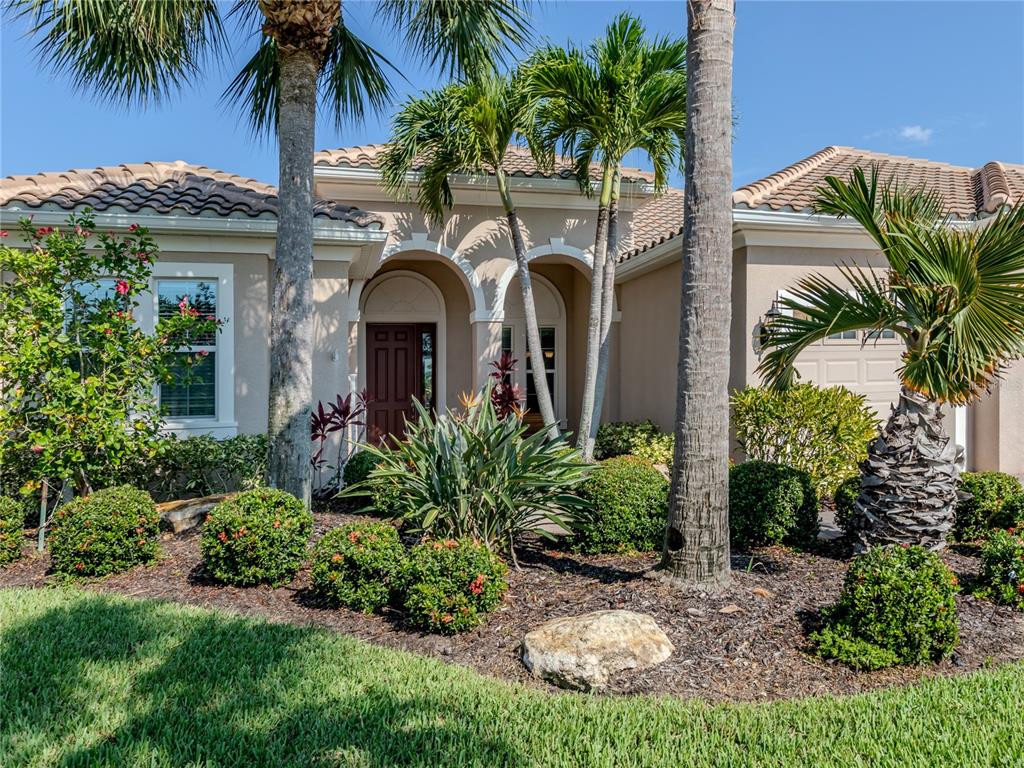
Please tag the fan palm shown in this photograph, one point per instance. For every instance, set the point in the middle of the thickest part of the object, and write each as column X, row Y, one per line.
column 137, row 52
column 623, row 92
column 468, row 128
column 954, row 295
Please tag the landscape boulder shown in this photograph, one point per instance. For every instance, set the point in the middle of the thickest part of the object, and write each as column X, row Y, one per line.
column 185, row 514
column 585, row 652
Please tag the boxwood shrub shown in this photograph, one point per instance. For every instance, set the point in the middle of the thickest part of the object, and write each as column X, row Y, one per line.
column 12, row 525
column 977, row 515
column 358, row 565
column 897, row 607
column 771, row 504
column 627, row 502
column 259, row 536
column 617, row 438
column 1002, row 568
column 106, row 532
column 450, row 584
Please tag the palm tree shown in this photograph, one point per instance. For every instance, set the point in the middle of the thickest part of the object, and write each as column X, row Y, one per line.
column 137, row 52
column 468, row 128
column 955, row 296
column 623, row 92
column 696, row 551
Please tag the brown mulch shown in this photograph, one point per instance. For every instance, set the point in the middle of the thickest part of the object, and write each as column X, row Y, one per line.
column 746, row 644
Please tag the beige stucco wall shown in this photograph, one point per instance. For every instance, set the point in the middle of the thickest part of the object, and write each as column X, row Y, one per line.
column 998, row 425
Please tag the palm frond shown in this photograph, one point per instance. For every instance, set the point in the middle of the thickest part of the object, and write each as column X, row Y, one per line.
column 127, row 53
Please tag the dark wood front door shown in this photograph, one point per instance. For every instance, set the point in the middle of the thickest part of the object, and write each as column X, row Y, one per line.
column 399, row 367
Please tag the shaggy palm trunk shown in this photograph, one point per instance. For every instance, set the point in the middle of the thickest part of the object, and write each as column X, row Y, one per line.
column 301, row 30
column 696, row 551
column 909, row 480
column 607, row 305
column 584, row 438
column 533, row 345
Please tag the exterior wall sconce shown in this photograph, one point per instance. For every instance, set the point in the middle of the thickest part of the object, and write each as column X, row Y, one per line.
column 773, row 314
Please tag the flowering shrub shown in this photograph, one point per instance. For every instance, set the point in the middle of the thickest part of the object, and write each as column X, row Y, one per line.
column 982, row 510
column 771, row 504
column 259, row 536
column 78, row 371
column 897, row 607
column 1002, row 568
column 12, row 523
column 822, row 431
column 450, row 584
column 1012, row 512
column 358, row 565
column 627, row 502
column 106, row 532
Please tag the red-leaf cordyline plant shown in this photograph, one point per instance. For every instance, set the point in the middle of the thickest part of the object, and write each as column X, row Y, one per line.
column 954, row 294
column 506, row 396
column 339, row 416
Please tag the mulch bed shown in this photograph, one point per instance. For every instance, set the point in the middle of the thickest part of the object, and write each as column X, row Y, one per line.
column 746, row 644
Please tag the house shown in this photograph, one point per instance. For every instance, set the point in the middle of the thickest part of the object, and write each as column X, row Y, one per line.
column 404, row 309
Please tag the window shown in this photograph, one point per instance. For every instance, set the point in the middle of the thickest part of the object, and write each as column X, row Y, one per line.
column 427, row 365
column 886, row 334
column 547, row 346
column 843, row 336
column 196, row 395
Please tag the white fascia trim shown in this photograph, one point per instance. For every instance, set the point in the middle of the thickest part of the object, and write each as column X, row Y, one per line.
column 323, row 230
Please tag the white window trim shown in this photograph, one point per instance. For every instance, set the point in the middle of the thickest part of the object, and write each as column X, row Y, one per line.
column 223, row 424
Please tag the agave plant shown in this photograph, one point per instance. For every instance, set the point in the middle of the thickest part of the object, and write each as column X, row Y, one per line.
column 473, row 473
column 955, row 296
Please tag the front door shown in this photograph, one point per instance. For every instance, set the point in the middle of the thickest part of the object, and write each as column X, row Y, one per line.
column 399, row 367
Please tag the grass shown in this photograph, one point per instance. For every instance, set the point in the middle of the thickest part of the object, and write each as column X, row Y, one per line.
column 91, row 680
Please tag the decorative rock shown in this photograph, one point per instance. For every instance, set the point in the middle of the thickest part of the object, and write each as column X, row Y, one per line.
column 584, row 652
column 730, row 608
column 185, row 514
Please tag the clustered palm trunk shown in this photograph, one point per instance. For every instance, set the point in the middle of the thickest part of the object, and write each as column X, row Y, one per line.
column 696, row 550
column 301, row 29
column 909, row 480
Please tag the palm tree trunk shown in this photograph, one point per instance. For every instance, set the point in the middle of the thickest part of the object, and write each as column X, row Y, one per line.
column 584, row 439
column 291, row 327
column 696, row 551
column 607, row 305
column 533, row 345
column 909, row 480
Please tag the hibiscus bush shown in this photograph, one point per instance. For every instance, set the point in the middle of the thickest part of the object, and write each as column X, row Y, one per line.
column 107, row 532
column 78, row 371
column 450, row 584
column 259, row 536
column 359, row 565
column 897, row 607
column 1002, row 568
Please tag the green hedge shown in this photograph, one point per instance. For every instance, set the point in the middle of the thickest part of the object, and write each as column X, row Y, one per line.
column 1002, row 568
column 771, row 504
column 977, row 515
column 359, row 565
column 627, row 502
column 109, row 531
column 618, row 438
column 12, row 527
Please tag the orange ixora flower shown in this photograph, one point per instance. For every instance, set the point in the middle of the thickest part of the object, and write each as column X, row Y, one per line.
column 336, row 557
column 353, row 536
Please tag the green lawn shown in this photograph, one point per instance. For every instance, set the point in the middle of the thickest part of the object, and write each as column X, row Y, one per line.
column 91, row 680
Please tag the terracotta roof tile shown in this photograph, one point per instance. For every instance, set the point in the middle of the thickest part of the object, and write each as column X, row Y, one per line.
column 162, row 188
column 657, row 220
column 520, row 163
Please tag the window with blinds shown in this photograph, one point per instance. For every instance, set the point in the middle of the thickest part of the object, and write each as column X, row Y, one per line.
column 193, row 395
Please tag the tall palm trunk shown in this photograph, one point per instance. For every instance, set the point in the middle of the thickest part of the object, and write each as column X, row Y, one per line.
column 301, row 30
column 585, row 438
column 696, row 549
column 533, row 345
column 607, row 304
column 909, row 480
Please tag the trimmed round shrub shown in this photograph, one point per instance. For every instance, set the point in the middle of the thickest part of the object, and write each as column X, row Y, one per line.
column 617, row 438
column 771, row 504
column 107, row 532
column 1012, row 512
column 897, row 607
column 259, row 536
column 359, row 466
column 450, row 584
column 12, row 525
column 1002, row 568
column 845, row 497
column 628, row 505
column 358, row 565
column 977, row 515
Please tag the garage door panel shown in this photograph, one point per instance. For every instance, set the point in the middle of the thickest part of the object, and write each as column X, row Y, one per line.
column 869, row 371
column 845, row 372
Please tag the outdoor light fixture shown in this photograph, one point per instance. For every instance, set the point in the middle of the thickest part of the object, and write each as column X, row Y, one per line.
column 767, row 319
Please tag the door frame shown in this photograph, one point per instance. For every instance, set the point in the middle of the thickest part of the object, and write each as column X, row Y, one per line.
column 437, row 318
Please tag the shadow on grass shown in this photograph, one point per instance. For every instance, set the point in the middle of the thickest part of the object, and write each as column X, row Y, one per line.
column 116, row 683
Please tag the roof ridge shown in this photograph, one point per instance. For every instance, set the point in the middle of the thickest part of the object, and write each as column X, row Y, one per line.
column 751, row 194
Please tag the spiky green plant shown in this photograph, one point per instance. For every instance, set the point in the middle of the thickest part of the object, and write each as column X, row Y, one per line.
column 954, row 294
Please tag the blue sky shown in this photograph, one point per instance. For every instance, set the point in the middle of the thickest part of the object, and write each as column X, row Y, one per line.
column 942, row 80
